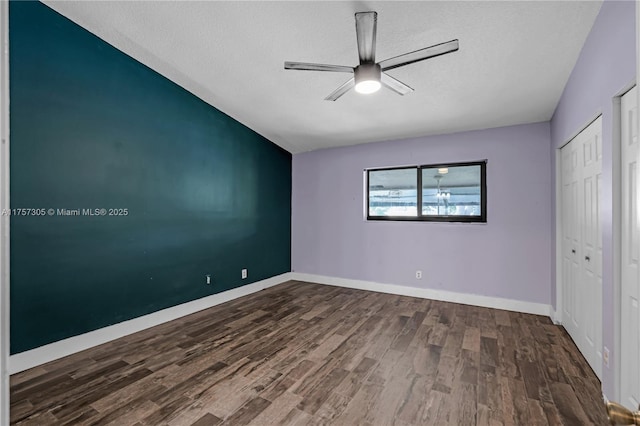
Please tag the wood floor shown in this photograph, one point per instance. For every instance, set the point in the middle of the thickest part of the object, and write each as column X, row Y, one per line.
column 300, row 354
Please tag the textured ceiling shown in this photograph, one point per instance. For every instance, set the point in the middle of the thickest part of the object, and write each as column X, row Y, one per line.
column 514, row 60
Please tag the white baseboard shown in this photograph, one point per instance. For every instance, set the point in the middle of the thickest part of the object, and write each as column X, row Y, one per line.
column 426, row 293
column 43, row 354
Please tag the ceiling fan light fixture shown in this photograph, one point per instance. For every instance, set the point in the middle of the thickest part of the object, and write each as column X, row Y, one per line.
column 368, row 86
column 367, row 78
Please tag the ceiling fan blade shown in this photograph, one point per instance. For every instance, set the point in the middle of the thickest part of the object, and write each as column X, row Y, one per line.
column 419, row 55
column 304, row 66
column 341, row 90
column 397, row 86
column 366, row 23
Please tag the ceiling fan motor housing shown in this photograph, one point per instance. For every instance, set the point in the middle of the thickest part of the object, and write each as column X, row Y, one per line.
column 367, row 72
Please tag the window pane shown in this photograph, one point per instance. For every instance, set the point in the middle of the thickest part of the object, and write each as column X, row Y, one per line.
column 451, row 191
column 393, row 192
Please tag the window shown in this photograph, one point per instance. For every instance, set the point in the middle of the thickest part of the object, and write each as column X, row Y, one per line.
column 438, row 192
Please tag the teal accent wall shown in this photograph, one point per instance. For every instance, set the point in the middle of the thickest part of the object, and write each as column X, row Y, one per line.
column 92, row 128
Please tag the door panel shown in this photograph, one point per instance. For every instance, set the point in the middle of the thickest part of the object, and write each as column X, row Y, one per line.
column 630, row 279
column 570, row 240
column 591, row 174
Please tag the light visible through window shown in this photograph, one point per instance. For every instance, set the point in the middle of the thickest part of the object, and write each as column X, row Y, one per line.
column 441, row 192
column 393, row 192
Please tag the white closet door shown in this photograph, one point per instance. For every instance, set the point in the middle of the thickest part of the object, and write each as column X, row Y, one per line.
column 591, row 286
column 630, row 279
column 571, row 248
column 582, row 242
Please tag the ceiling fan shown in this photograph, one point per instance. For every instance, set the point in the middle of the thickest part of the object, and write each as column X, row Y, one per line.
column 369, row 75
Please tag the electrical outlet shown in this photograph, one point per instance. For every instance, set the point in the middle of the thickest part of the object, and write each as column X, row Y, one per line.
column 208, row 278
column 418, row 275
column 244, row 274
column 605, row 356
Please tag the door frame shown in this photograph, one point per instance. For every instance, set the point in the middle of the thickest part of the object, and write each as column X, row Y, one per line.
column 616, row 182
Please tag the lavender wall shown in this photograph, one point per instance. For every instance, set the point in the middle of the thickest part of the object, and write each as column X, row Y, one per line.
column 507, row 257
column 605, row 67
